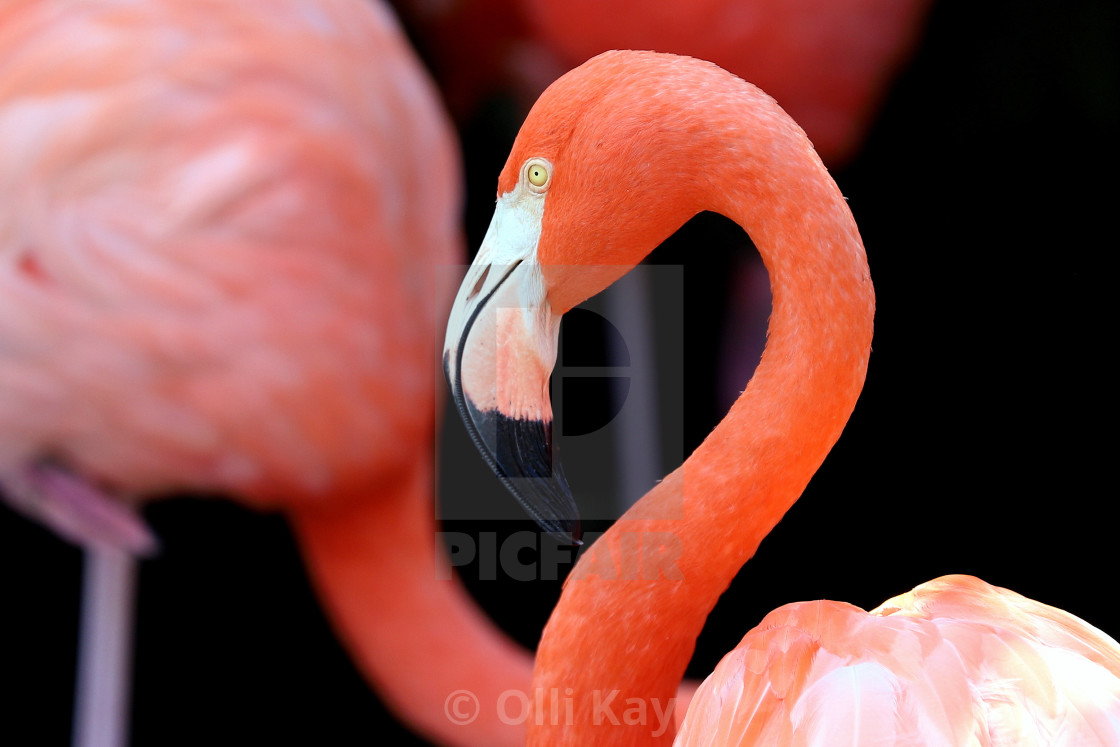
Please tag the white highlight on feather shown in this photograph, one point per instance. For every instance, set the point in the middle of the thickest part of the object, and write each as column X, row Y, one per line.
column 847, row 704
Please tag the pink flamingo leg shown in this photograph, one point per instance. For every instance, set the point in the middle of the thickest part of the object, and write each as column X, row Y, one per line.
column 101, row 696
column 112, row 536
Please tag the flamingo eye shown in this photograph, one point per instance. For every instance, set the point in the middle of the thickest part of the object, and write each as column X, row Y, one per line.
column 539, row 172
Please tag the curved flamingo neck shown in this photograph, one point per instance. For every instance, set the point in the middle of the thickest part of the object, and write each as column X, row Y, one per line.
column 623, row 632
column 412, row 628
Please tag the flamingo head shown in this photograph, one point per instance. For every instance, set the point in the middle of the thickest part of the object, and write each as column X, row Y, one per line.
column 612, row 159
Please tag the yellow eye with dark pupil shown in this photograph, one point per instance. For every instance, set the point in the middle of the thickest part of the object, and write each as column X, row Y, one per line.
column 538, row 175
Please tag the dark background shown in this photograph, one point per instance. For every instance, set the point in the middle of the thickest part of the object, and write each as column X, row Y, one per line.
column 984, row 441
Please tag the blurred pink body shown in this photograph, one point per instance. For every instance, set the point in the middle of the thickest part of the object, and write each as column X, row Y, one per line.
column 221, row 239
column 207, row 242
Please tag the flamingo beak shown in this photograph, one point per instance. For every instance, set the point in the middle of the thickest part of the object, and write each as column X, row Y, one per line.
column 498, row 356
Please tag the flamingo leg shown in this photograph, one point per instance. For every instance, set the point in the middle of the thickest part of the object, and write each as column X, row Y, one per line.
column 112, row 536
column 102, row 692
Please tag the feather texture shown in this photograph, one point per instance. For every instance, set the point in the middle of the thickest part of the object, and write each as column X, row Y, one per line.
column 954, row 662
column 194, row 216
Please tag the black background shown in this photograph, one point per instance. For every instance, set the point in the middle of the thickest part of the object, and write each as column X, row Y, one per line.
column 984, row 442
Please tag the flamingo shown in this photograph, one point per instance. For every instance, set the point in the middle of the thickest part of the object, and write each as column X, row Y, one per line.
column 828, row 64
column 613, row 157
column 220, row 245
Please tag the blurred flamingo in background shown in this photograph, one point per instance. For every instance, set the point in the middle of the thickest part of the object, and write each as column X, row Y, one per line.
column 612, row 159
column 828, row 64
column 220, row 248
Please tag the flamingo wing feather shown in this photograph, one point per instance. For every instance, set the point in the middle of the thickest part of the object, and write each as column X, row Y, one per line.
column 953, row 662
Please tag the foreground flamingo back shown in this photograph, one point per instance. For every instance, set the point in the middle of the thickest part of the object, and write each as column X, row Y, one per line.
column 955, row 661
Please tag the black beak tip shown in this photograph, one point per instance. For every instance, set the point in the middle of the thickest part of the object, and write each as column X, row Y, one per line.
column 520, row 453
